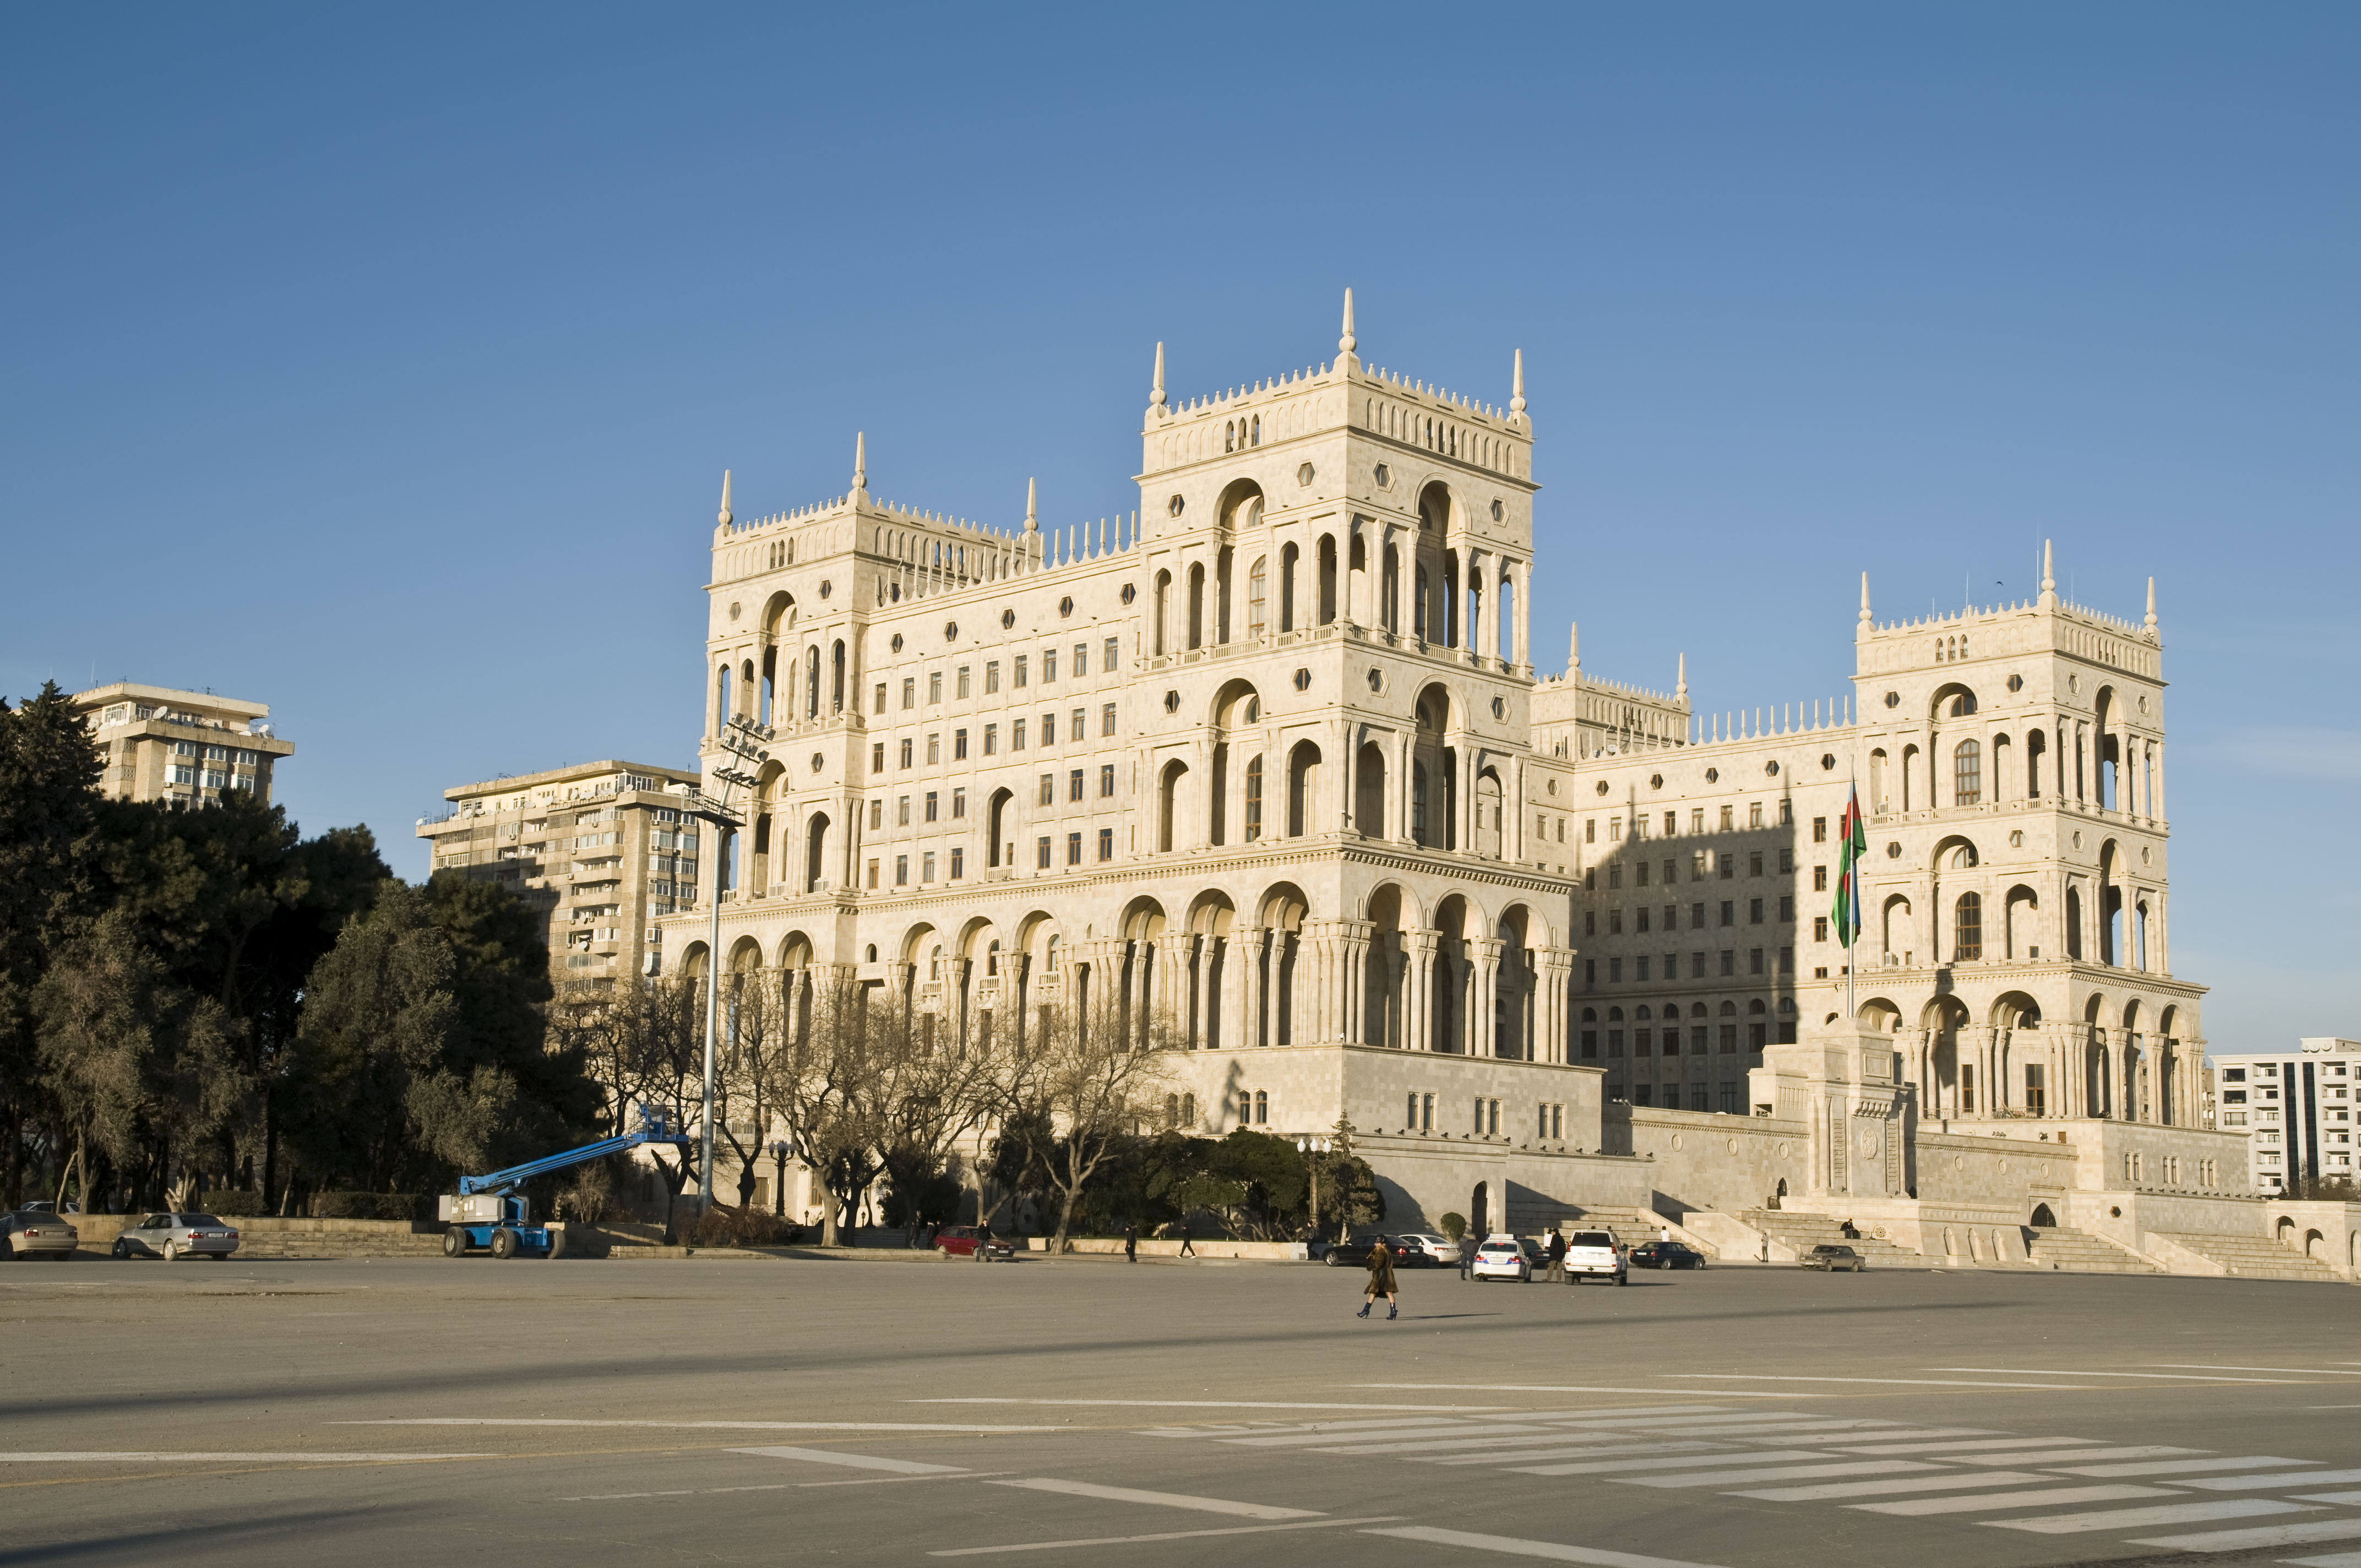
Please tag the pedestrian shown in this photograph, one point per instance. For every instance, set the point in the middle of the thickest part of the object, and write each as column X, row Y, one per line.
column 1557, row 1255
column 1131, row 1243
column 1381, row 1281
column 1186, row 1250
column 1664, row 1234
column 1467, row 1253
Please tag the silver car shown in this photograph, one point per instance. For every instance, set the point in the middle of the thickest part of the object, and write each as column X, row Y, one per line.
column 171, row 1236
column 34, row 1233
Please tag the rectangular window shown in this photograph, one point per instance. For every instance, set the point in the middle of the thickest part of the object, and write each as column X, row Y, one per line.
column 1021, row 662
column 1729, row 912
column 1074, row 784
column 1697, row 859
column 1107, row 781
column 1697, row 1040
column 991, row 740
column 1614, row 971
column 1591, row 922
column 1696, row 966
column 1754, row 864
column 1082, row 660
column 959, row 862
column 1590, row 1045
column 1016, row 735
column 958, row 803
column 1042, row 852
column 1049, row 789
column 1590, row 971
column 959, row 745
column 1106, row 719
column 901, row 870
column 1729, row 867
column 1107, row 843
column 1640, row 968
column 934, row 748
column 935, row 686
column 876, row 815
column 1786, row 909
column 1755, row 912
column 1590, row 829
column 902, row 811
column 1819, row 927
column 1754, row 813
column 1048, row 666
column 926, row 867
column 1729, row 961
column 1753, row 960
column 1819, row 879
column 1114, row 653
column 2036, row 1093
column 909, row 692
column 1819, row 830
column 991, row 676
column 906, row 752
column 1614, row 830
column 1073, row 848
column 1050, row 729
column 930, row 806
column 877, row 756
column 1786, row 861
column 879, row 703
column 872, row 873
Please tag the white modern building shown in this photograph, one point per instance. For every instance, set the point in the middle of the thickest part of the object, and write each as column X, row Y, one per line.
column 2295, row 1108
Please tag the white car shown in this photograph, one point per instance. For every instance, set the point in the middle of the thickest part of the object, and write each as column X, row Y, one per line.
column 1595, row 1255
column 1502, row 1257
column 1440, row 1252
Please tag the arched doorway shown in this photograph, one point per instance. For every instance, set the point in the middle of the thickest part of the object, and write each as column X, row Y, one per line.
column 2043, row 1220
column 1479, row 1212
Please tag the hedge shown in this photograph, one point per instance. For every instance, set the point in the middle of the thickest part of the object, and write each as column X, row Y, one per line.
column 366, row 1205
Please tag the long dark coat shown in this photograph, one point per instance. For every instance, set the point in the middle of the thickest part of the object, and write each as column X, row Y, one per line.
column 1381, row 1270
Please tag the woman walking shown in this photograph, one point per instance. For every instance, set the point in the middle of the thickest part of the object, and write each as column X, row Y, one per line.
column 1381, row 1280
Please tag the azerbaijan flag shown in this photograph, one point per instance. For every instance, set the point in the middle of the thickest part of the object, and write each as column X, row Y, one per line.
column 1855, row 837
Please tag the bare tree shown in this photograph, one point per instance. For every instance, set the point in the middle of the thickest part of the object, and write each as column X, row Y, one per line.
column 753, row 1018
column 1084, row 1080
column 822, row 1082
column 645, row 1040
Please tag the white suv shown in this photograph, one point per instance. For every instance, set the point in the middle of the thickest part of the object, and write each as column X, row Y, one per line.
column 1595, row 1255
column 1502, row 1257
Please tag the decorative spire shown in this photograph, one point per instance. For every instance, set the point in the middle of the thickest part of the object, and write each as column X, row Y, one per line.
column 1032, row 523
column 1517, row 388
column 2048, row 580
column 1155, row 394
column 1866, row 618
column 725, row 498
column 2151, row 606
column 1344, row 344
column 1681, row 686
column 860, row 461
column 1573, row 647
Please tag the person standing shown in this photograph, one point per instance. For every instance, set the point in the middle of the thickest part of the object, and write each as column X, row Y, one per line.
column 1467, row 1253
column 1381, row 1281
column 1557, row 1255
column 1186, row 1249
column 1131, row 1243
column 1664, row 1234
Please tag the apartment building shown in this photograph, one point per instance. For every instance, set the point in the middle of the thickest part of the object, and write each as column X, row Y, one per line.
column 179, row 747
column 2296, row 1109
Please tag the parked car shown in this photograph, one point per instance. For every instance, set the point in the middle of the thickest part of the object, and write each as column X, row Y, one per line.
column 172, row 1236
column 1505, row 1258
column 972, row 1240
column 37, row 1233
column 1595, row 1255
column 1422, row 1250
column 1667, row 1254
column 1354, row 1253
column 1833, row 1259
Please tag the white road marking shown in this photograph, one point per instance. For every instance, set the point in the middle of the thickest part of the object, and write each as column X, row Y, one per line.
column 1262, row 1404
column 1916, row 1382
column 1161, row 1499
column 858, row 1461
column 2020, row 1459
column 2140, row 1518
column 1985, row 1443
column 1588, row 1451
column 1166, row 1535
column 2265, row 1535
column 2060, row 1372
column 1615, row 1467
column 1587, row 1388
column 2328, row 1497
column 158, row 1456
column 1304, row 1439
column 1988, row 1502
column 871, row 1481
column 2206, row 1366
column 2288, row 1478
column 2177, row 1467
column 1673, row 1423
column 1442, row 1444
column 1742, row 1430
column 1549, row 1550
column 2333, row 1559
column 688, row 1426
column 1777, row 1473
column 1890, row 1488
column 681, row 1492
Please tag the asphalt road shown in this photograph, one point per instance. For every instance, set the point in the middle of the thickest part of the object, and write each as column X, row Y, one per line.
column 721, row 1410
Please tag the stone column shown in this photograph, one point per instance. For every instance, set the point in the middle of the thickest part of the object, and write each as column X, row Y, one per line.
column 1171, row 980
column 1398, row 804
column 1555, row 972
column 1513, row 840
column 1523, row 572
column 1246, row 944
column 1355, row 941
column 1484, row 952
column 1418, row 1000
column 1203, row 1006
column 1985, row 1041
column 1464, row 809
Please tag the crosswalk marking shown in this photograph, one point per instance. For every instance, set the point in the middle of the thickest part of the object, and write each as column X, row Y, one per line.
column 1535, row 1436
column 1585, row 1451
column 1162, row 1535
column 2178, row 1466
column 1890, row 1488
column 2162, row 1376
column 2330, row 1497
column 1299, row 1439
column 2333, row 1559
column 858, row 1461
column 1778, row 1472
column 1612, row 1466
column 2150, row 1451
column 1990, row 1502
column 2266, row 1535
column 1985, row 1445
column 2311, row 1371
column 2140, row 1518
column 2288, row 1478
column 1549, row 1550
column 1161, row 1499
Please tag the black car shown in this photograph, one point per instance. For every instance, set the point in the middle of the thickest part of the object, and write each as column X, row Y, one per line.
column 1834, row 1259
column 1355, row 1252
column 1667, row 1254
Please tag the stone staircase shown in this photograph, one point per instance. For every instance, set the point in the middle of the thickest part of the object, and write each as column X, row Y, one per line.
column 1804, row 1232
column 2055, row 1249
column 2259, row 1257
column 1534, row 1216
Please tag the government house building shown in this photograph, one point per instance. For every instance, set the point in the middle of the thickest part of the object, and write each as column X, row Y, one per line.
column 1270, row 758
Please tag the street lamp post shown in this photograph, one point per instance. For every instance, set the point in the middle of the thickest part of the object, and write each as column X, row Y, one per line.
column 779, row 1192
column 1311, row 1148
column 741, row 737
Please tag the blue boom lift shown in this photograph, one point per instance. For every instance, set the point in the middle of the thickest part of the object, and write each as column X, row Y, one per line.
column 490, row 1213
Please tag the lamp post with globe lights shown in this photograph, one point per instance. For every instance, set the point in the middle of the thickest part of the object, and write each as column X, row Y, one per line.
column 743, row 739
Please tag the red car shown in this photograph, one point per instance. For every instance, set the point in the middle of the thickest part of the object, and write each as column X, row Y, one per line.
column 972, row 1240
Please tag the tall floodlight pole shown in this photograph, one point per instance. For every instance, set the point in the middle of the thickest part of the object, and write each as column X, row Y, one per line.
column 741, row 737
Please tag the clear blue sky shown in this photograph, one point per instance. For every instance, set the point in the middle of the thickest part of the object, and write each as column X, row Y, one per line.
column 382, row 364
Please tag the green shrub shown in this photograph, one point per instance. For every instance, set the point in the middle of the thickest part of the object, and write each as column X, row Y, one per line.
column 724, row 1226
column 366, row 1205
column 1453, row 1225
column 229, row 1200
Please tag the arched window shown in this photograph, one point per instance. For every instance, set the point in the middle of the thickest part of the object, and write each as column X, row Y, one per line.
column 1968, row 927
column 1968, row 774
column 1262, row 1107
column 1257, row 593
column 992, row 960
column 721, row 699
column 935, row 964
column 1254, row 799
column 811, row 682
column 1418, row 803
column 1418, row 607
column 837, row 701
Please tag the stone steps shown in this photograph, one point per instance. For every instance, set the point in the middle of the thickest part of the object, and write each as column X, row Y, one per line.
column 1804, row 1232
column 2259, row 1257
column 2058, row 1249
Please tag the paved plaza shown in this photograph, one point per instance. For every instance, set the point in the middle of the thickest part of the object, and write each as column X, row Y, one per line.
column 727, row 1410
